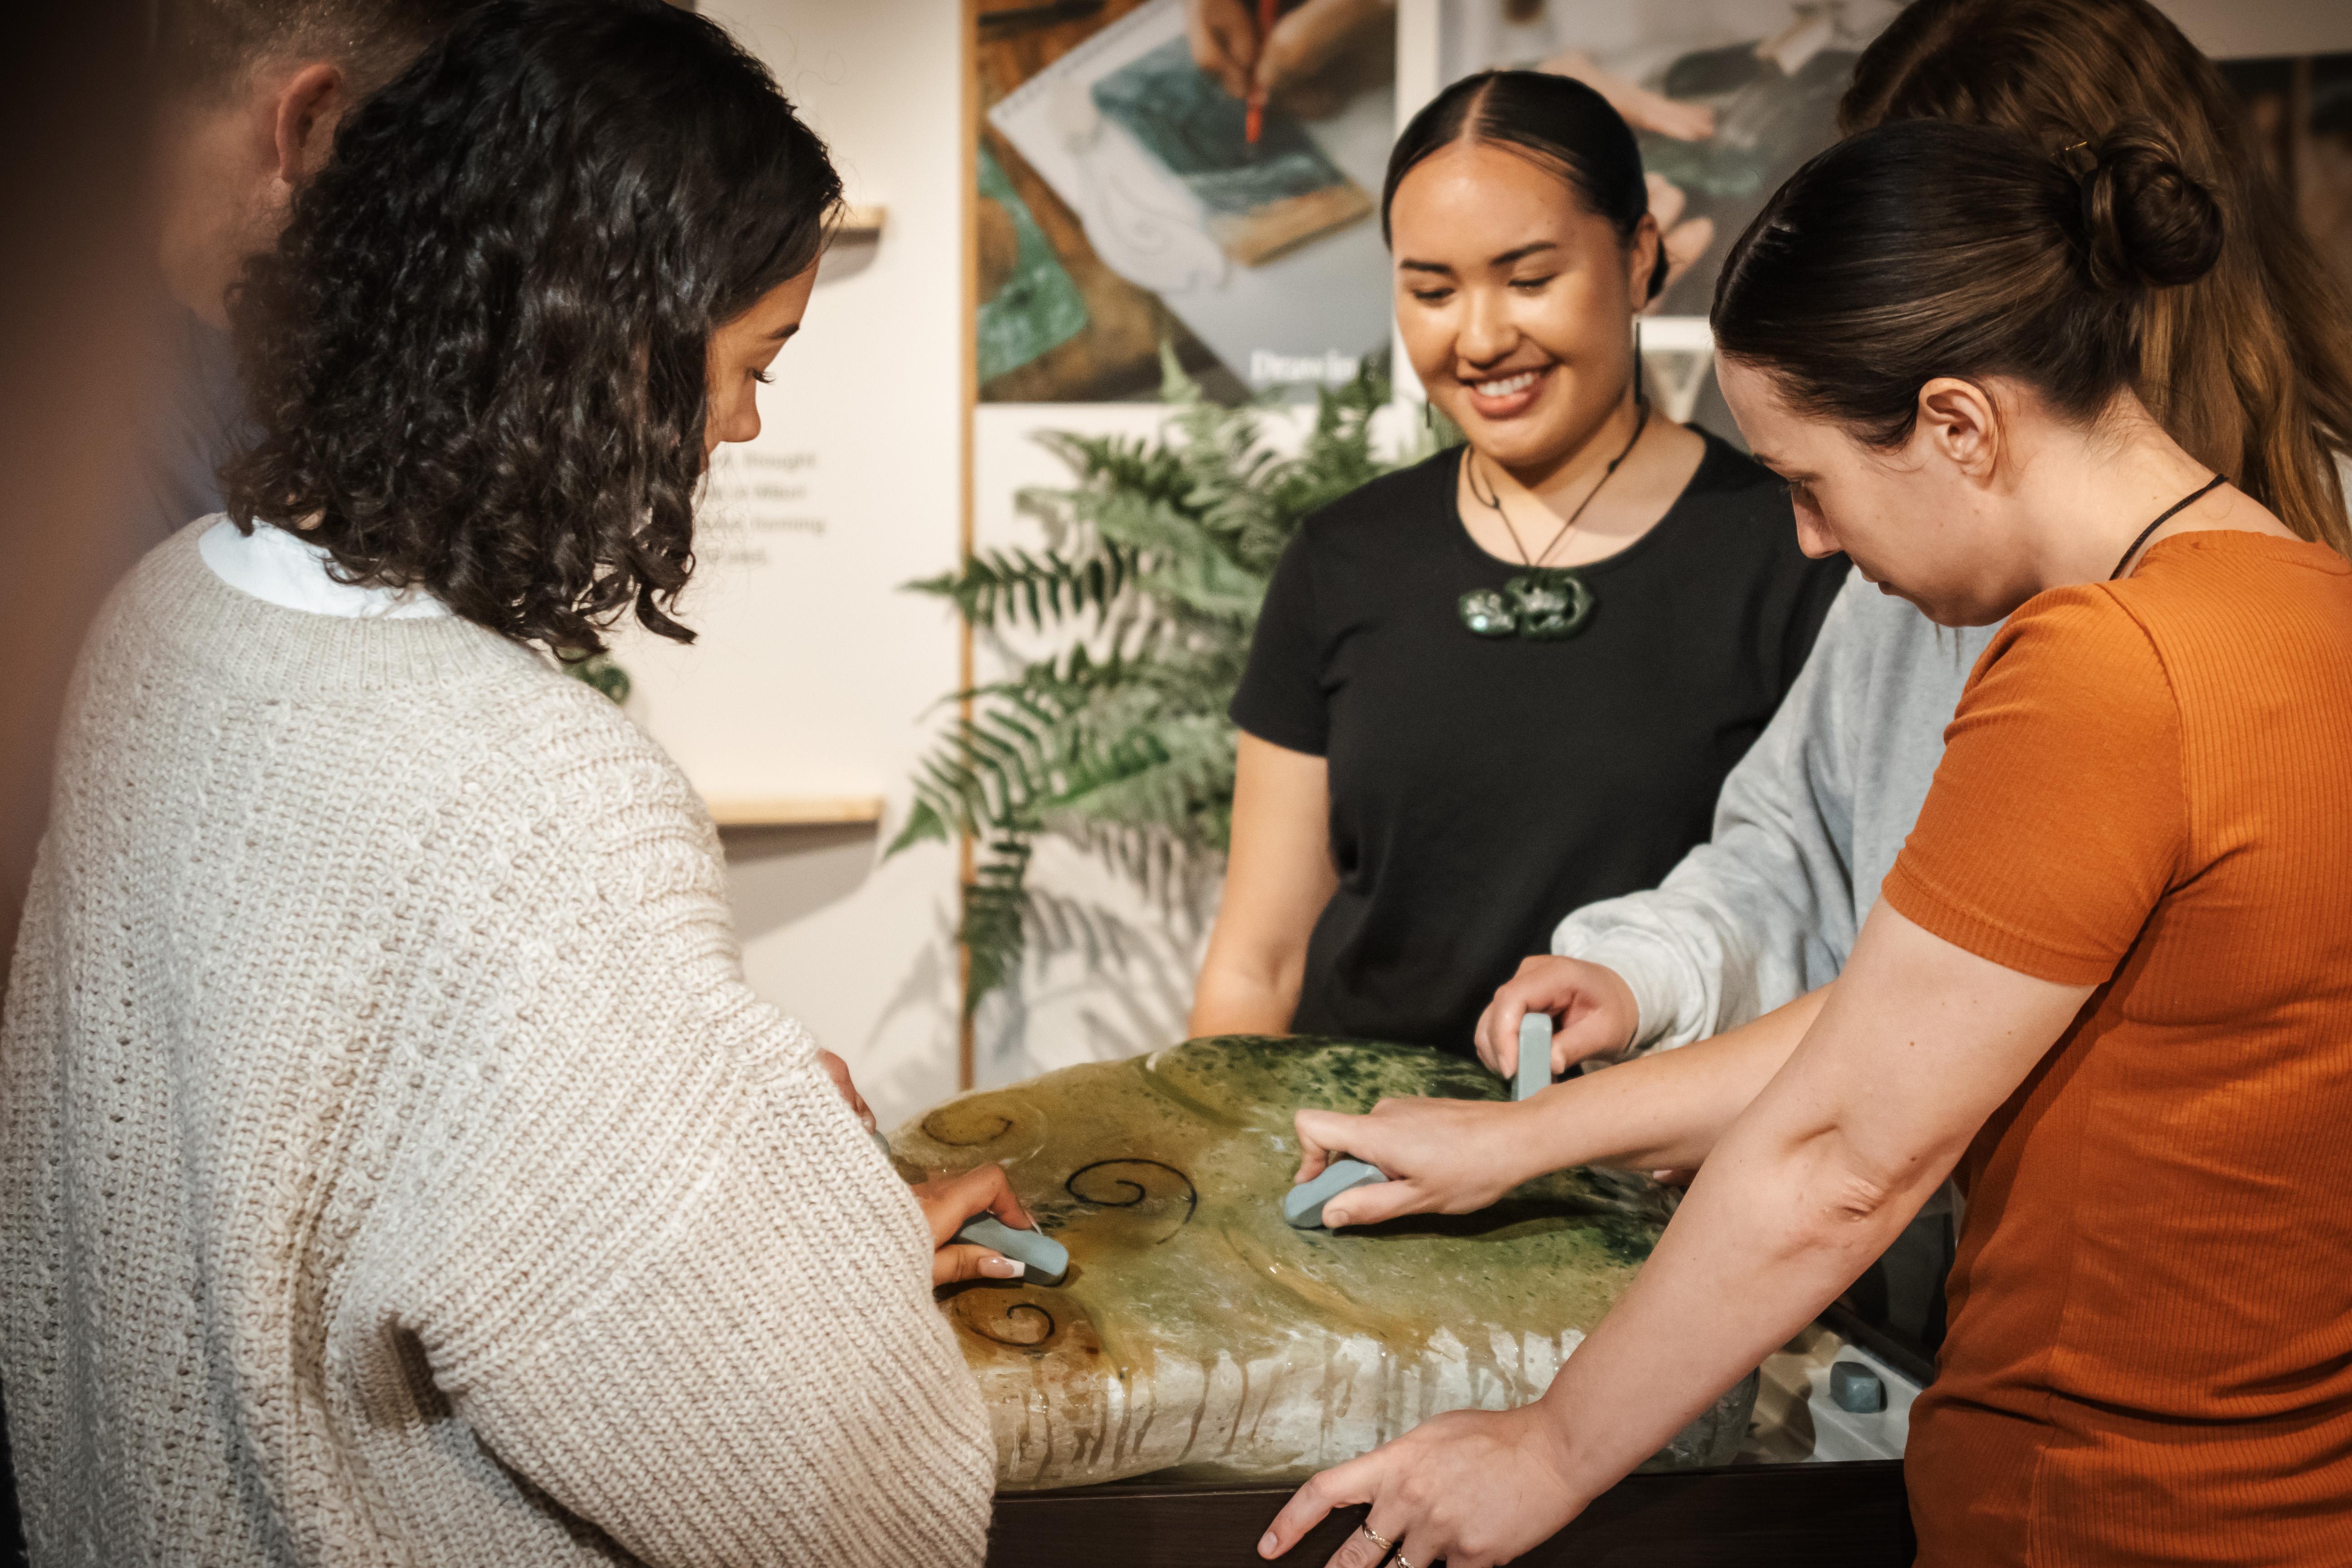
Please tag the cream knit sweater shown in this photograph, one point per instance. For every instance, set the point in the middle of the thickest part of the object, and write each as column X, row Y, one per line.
column 394, row 1166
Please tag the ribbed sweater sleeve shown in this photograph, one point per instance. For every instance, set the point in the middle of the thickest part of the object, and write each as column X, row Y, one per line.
column 671, row 1284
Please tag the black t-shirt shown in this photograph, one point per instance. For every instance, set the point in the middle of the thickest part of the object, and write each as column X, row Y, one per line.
column 1481, row 788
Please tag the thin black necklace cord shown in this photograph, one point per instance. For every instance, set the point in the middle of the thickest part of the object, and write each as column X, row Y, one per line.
column 2191, row 499
column 1496, row 505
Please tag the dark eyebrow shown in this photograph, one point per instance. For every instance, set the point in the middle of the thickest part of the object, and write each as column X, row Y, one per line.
column 1508, row 257
column 786, row 330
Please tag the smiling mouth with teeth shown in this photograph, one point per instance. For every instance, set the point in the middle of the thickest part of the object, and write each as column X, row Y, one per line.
column 1508, row 385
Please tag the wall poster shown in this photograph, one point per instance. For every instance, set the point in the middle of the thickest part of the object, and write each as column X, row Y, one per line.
column 1200, row 172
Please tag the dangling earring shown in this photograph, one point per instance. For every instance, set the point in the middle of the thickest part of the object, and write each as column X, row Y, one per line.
column 1640, row 382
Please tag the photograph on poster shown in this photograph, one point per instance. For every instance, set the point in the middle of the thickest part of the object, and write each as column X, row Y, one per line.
column 1198, row 172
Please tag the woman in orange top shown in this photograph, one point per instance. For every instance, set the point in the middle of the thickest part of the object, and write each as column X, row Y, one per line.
column 2110, row 977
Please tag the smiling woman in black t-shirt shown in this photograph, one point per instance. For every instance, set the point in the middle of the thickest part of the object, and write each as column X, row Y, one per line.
column 1508, row 681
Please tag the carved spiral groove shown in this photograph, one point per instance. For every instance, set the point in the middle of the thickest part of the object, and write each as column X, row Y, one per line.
column 1026, row 1341
column 1136, row 1192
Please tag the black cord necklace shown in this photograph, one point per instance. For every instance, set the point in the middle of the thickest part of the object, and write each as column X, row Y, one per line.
column 2167, row 515
column 1543, row 604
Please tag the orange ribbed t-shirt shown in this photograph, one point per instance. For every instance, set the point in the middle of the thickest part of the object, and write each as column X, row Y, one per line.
column 2147, row 786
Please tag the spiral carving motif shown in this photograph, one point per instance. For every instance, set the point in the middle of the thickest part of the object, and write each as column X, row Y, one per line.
column 1134, row 1192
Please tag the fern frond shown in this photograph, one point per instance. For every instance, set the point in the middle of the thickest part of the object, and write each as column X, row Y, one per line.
column 991, row 929
column 924, row 823
column 1159, row 550
column 997, row 586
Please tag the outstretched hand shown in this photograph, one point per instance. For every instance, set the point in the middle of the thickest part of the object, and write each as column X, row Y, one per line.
column 1441, row 1157
column 949, row 1203
column 1592, row 1013
column 1474, row 1488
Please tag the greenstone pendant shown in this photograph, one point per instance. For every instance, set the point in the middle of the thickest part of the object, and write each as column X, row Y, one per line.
column 1487, row 613
column 1547, row 604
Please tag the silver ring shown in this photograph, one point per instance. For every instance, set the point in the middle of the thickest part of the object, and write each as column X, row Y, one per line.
column 1401, row 1560
column 1377, row 1539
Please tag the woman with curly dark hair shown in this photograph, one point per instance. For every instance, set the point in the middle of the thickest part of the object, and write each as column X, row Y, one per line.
column 394, row 1164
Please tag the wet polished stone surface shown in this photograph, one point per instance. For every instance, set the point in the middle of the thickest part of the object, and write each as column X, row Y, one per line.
column 1199, row 1336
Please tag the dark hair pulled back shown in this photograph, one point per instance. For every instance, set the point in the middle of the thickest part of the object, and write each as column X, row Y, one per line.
column 2249, row 367
column 477, row 356
column 1555, row 120
column 1926, row 248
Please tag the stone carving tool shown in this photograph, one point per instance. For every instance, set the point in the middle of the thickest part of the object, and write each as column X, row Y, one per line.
column 1047, row 1260
column 1535, row 1055
column 1303, row 1204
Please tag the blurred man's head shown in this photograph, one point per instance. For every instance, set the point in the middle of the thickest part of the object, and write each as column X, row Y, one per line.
column 254, row 91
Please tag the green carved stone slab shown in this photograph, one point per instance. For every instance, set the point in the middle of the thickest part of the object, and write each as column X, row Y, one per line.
column 1197, row 1333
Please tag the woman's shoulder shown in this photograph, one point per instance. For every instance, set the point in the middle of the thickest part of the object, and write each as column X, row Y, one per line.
column 2216, row 585
column 2078, row 649
column 2227, row 613
column 580, row 758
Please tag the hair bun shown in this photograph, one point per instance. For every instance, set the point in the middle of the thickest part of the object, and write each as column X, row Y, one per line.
column 2147, row 222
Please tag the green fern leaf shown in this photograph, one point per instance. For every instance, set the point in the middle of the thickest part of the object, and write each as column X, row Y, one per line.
column 1159, row 550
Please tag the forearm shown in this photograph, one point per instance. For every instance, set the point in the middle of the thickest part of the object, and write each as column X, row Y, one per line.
column 1277, row 879
column 1767, row 1237
column 1914, row 1047
column 669, row 1408
column 1665, row 1111
column 1232, row 999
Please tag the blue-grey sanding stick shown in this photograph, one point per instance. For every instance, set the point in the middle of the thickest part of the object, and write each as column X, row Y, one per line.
column 1535, row 1055
column 1048, row 1259
column 1302, row 1205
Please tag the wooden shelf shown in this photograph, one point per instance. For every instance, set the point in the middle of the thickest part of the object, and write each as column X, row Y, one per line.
column 796, row 811
column 858, row 225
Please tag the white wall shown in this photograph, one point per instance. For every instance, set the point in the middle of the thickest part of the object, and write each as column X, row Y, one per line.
column 814, row 675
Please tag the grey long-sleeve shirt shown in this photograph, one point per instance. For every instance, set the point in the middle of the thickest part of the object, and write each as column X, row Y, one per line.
column 1807, row 826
